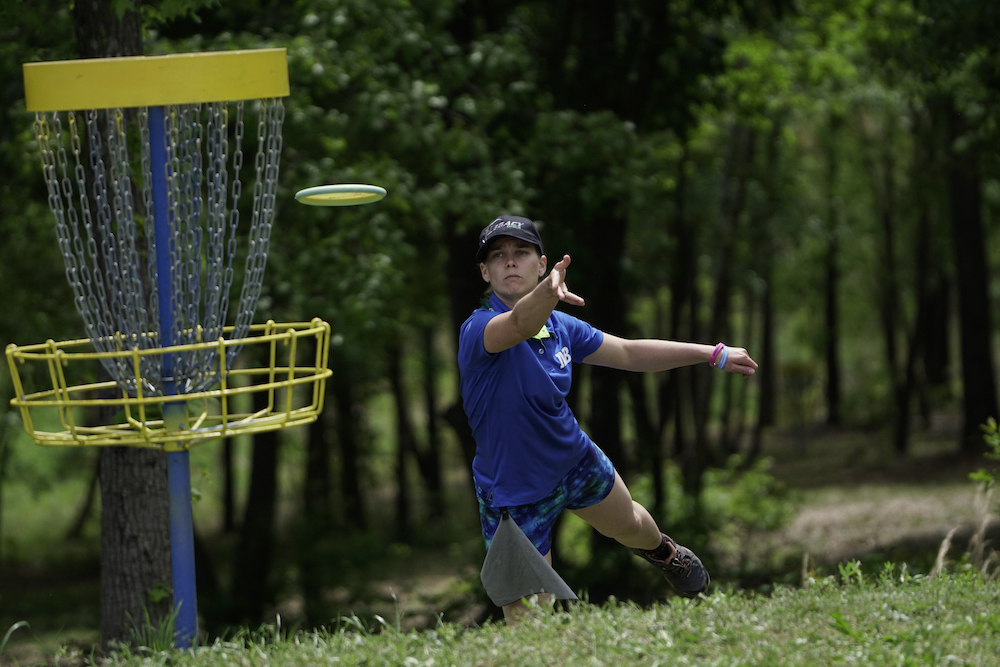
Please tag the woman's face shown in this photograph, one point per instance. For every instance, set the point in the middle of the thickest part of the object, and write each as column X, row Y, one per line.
column 512, row 268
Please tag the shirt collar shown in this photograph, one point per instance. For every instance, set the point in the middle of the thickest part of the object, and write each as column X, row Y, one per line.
column 497, row 305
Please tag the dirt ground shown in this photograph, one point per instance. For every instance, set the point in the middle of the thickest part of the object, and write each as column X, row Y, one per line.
column 859, row 499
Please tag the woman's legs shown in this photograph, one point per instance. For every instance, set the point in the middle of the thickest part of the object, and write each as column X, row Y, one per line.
column 621, row 518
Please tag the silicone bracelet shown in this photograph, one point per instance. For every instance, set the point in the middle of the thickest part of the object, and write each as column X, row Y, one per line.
column 725, row 357
column 715, row 353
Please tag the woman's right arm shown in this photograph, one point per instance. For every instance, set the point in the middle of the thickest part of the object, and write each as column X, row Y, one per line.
column 530, row 313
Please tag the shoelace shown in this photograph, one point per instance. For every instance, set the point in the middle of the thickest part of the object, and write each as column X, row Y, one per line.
column 680, row 563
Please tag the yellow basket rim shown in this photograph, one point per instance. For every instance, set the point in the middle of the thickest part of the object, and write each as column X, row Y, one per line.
column 143, row 427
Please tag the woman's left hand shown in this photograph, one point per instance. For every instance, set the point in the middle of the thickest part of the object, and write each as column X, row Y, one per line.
column 739, row 362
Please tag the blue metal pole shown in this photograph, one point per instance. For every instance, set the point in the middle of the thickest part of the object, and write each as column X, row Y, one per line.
column 178, row 463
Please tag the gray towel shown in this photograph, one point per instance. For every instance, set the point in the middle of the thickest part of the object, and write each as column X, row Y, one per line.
column 514, row 569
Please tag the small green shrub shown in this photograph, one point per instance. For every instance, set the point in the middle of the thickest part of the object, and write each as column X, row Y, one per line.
column 991, row 435
column 148, row 637
column 985, row 562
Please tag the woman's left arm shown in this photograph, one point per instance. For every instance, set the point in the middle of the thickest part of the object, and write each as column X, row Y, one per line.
column 647, row 354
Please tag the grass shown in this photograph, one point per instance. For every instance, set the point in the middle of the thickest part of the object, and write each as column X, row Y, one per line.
column 862, row 614
column 887, row 618
column 11, row 630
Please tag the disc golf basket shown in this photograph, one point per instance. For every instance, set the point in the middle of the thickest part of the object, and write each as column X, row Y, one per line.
column 144, row 163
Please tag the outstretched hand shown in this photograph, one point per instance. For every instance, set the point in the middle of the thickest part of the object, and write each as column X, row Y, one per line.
column 739, row 362
column 556, row 281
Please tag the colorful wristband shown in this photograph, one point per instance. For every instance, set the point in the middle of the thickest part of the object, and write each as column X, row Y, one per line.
column 715, row 353
column 725, row 357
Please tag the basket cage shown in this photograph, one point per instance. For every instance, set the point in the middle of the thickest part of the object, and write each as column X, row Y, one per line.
column 284, row 364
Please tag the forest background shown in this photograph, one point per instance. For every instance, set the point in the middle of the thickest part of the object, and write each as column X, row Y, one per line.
column 815, row 181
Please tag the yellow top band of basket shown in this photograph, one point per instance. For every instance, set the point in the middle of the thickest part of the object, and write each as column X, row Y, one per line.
column 145, row 81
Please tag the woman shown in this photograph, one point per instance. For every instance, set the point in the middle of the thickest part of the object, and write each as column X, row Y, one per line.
column 532, row 459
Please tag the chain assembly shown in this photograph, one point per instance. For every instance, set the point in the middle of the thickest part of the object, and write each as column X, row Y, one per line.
column 98, row 174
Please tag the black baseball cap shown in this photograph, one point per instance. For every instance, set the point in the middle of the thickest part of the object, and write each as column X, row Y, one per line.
column 508, row 225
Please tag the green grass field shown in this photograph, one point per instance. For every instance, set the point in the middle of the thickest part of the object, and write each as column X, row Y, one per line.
column 884, row 618
column 881, row 513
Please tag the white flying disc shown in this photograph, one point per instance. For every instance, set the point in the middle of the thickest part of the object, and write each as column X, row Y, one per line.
column 344, row 194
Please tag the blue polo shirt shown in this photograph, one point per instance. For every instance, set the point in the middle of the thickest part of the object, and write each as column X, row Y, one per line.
column 527, row 438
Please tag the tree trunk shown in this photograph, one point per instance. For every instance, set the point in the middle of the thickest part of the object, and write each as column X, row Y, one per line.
column 465, row 289
column 135, row 540
column 428, row 456
column 101, row 34
column 831, row 280
column 764, row 250
column 135, row 528
column 430, row 459
column 317, row 520
column 978, row 383
column 882, row 177
column 679, row 397
column 608, row 314
column 87, row 508
column 404, row 443
column 735, row 417
column 937, row 313
column 317, row 489
column 228, row 487
column 251, row 585
column 350, row 469
column 766, row 365
column 935, row 308
column 648, row 451
column 607, row 231
column 733, row 197
column 5, row 455
column 767, row 250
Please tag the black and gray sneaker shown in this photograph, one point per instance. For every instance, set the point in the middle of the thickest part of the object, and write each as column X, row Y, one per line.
column 683, row 570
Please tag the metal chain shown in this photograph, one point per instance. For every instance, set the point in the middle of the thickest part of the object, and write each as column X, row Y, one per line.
column 75, row 256
column 52, row 161
column 147, row 230
column 99, row 226
column 267, row 162
column 217, row 128
column 135, row 312
column 234, row 215
column 121, row 237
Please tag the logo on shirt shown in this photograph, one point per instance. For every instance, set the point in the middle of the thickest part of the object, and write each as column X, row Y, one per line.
column 563, row 357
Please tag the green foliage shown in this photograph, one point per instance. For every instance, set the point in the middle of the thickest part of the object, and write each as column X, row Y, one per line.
column 850, row 572
column 736, row 503
column 156, row 12
column 159, row 593
column 991, row 435
column 751, row 498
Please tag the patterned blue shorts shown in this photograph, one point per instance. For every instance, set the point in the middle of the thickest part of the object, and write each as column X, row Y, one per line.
column 587, row 483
